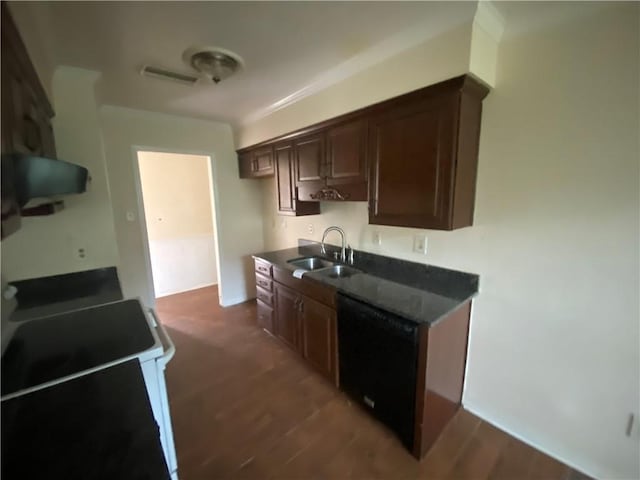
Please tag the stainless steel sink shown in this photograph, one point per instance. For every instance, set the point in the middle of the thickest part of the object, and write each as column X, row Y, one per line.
column 311, row 263
column 338, row 271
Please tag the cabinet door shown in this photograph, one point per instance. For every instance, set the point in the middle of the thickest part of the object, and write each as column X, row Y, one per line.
column 288, row 202
column 309, row 165
column 263, row 162
column 286, row 315
column 318, row 324
column 411, row 149
column 346, row 159
column 265, row 316
column 284, row 180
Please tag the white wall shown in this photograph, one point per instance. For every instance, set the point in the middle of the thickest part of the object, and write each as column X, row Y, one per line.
column 176, row 189
column 553, row 354
column 238, row 217
column 48, row 245
column 438, row 59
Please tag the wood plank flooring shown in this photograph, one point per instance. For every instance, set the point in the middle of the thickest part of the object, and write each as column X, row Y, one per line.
column 245, row 407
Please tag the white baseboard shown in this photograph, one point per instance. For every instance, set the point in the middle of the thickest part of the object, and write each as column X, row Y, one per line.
column 166, row 294
column 546, row 451
column 234, row 301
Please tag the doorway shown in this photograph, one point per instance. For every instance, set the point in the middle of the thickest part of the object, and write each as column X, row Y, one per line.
column 179, row 214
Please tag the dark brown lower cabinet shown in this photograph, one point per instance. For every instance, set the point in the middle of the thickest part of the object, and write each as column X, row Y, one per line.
column 301, row 314
column 265, row 316
column 286, row 315
column 318, row 344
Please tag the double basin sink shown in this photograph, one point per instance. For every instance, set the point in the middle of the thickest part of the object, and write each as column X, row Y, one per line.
column 324, row 267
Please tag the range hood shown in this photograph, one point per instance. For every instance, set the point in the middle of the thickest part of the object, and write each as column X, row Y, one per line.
column 37, row 177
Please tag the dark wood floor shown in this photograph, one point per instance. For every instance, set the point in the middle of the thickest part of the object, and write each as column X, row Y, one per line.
column 245, row 407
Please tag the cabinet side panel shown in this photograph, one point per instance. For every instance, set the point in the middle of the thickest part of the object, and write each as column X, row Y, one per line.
column 447, row 355
column 442, row 379
column 467, row 160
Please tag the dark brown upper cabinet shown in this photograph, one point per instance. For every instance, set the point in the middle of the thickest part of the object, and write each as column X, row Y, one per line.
column 339, row 169
column 288, row 202
column 26, row 111
column 423, row 151
column 25, row 121
column 413, row 157
column 256, row 163
column 347, row 159
column 309, row 164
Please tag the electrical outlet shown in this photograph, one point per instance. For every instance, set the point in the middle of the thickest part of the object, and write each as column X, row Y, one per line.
column 81, row 253
column 283, row 223
column 376, row 238
column 420, row 243
column 310, row 228
column 131, row 216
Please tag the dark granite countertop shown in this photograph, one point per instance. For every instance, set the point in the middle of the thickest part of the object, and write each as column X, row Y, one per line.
column 418, row 292
column 43, row 296
column 98, row 426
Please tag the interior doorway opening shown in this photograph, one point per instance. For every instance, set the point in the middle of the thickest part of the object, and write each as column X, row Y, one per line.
column 179, row 216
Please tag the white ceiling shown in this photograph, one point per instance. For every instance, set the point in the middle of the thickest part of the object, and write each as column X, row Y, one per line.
column 287, row 46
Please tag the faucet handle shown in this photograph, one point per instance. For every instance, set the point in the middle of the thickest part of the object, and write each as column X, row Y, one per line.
column 350, row 254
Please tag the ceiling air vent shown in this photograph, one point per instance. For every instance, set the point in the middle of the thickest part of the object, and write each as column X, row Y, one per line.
column 157, row 72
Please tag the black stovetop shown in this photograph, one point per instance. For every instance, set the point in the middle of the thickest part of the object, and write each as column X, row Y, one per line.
column 53, row 347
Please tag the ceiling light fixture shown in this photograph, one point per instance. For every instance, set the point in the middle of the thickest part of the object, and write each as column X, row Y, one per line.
column 214, row 63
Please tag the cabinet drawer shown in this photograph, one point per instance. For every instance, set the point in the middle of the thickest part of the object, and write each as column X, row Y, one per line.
column 264, row 296
column 263, row 268
column 265, row 316
column 263, row 282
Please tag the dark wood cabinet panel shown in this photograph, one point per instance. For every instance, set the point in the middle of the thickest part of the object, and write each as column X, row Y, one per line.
column 286, row 315
column 25, row 115
column 284, row 179
column 347, row 159
column 288, row 203
column 245, row 164
column 318, row 324
column 423, row 157
column 26, row 111
column 301, row 313
column 413, row 157
column 256, row 163
column 265, row 316
column 411, row 153
column 263, row 161
column 309, row 165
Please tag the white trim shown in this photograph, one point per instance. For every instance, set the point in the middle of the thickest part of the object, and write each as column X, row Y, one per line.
column 489, row 19
column 537, row 446
column 197, row 287
column 142, row 219
column 378, row 53
column 235, row 301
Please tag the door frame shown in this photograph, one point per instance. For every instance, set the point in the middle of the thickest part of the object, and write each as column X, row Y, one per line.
column 213, row 195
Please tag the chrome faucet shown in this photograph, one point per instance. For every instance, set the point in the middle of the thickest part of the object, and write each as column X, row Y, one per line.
column 343, row 254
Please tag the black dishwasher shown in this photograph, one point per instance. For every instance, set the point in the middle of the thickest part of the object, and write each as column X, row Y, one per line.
column 378, row 355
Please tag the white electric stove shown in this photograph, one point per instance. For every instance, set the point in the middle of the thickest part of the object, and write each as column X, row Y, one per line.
column 47, row 351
